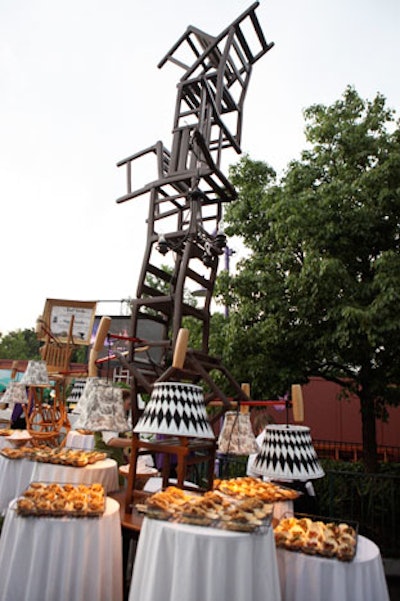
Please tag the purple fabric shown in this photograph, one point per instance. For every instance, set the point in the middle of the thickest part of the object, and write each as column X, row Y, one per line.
column 159, row 457
column 17, row 412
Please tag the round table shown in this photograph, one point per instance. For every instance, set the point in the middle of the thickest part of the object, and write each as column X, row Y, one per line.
column 105, row 472
column 47, row 558
column 177, row 562
column 16, row 474
column 76, row 440
column 312, row 578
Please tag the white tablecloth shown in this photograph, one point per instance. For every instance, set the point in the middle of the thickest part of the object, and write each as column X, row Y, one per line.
column 6, row 442
column 16, row 474
column 5, row 416
column 76, row 440
column 57, row 559
column 72, row 418
column 311, row 578
column 105, row 472
column 176, row 562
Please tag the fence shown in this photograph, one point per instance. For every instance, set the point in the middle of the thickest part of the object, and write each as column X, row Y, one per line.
column 372, row 500
column 352, row 451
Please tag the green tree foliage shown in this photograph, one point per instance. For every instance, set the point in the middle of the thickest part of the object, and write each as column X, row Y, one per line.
column 319, row 294
column 20, row 344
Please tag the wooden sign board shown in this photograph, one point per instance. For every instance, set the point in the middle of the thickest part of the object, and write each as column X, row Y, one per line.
column 57, row 317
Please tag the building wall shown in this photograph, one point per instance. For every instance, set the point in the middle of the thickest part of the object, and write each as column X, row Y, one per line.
column 331, row 417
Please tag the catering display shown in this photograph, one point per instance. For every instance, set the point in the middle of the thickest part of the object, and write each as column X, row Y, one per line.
column 247, row 513
column 60, row 500
column 73, row 557
column 316, row 537
column 70, row 457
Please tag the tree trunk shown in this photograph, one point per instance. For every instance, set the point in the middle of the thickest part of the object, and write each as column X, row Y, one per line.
column 368, row 421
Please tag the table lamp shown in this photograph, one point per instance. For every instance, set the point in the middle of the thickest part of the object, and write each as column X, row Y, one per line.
column 101, row 407
column 35, row 374
column 287, row 453
column 15, row 393
column 175, row 409
column 237, row 437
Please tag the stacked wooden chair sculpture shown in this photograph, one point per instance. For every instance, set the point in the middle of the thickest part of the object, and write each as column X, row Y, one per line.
column 186, row 200
column 185, row 217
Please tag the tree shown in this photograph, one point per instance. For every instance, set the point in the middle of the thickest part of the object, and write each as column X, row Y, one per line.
column 319, row 293
column 20, row 344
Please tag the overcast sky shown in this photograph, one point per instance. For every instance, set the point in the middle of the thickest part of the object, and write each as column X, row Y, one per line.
column 80, row 90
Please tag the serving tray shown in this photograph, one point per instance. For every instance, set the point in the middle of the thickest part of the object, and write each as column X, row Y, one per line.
column 213, row 510
column 42, row 499
column 70, row 457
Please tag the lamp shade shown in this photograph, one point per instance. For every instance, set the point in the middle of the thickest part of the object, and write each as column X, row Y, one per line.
column 76, row 391
column 82, row 392
column 101, row 407
column 287, row 453
column 15, row 393
column 237, row 437
column 175, row 409
column 35, row 374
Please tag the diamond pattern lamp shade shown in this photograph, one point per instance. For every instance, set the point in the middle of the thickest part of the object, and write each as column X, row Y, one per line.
column 287, row 453
column 15, row 393
column 237, row 437
column 101, row 407
column 35, row 374
column 175, row 409
column 76, row 391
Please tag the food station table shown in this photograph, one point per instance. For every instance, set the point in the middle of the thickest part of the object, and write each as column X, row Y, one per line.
column 312, row 578
column 49, row 558
column 179, row 562
column 77, row 440
column 16, row 474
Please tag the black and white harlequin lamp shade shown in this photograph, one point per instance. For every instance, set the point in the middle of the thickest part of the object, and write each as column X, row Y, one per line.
column 175, row 409
column 237, row 437
column 101, row 407
column 76, row 390
column 287, row 453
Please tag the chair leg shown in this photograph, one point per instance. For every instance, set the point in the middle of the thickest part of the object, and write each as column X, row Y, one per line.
column 129, row 542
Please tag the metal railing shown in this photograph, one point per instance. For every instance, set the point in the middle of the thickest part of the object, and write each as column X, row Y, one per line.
column 352, row 451
column 372, row 500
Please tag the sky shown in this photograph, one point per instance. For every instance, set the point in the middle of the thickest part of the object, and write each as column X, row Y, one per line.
column 80, row 90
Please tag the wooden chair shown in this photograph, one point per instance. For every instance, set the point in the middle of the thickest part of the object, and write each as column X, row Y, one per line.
column 56, row 354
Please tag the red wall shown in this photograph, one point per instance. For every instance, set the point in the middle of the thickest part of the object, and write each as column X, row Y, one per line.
column 332, row 418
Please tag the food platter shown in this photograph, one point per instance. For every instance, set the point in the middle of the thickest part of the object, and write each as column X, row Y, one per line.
column 61, row 500
column 212, row 509
column 248, row 487
column 6, row 432
column 19, row 438
column 316, row 535
column 69, row 457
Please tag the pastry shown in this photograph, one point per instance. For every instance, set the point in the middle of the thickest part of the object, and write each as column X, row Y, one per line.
column 317, row 537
